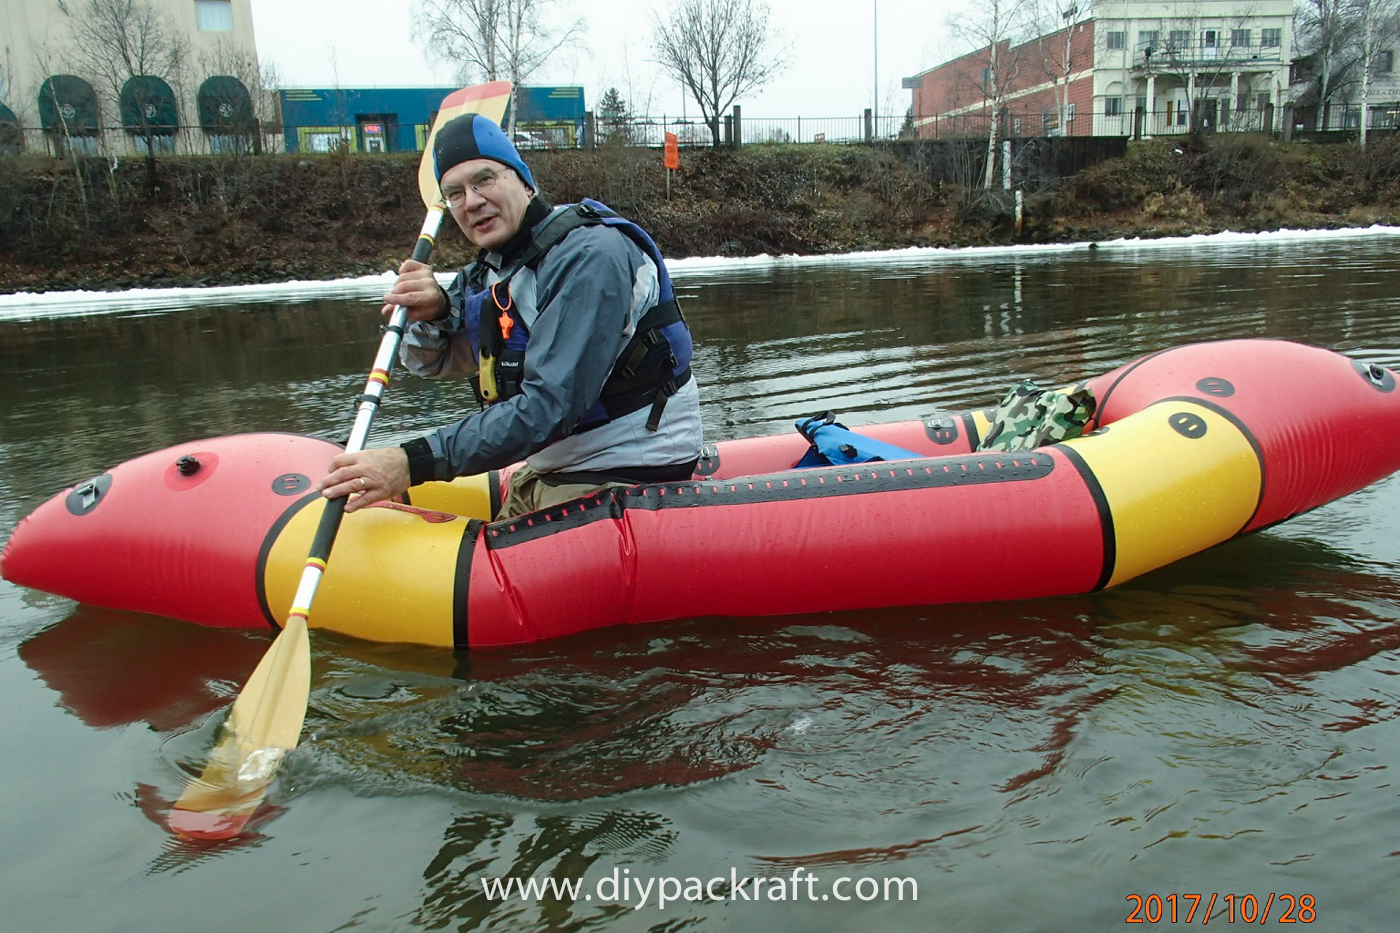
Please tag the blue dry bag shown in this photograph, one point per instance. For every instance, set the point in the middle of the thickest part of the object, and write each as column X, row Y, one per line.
column 837, row 445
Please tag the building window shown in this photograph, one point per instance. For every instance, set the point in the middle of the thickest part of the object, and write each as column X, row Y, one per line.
column 1385, row 62
column 1271, row 38
column 1180, row 40
column 1113, row 106
column 1147, row 37
column 214, row 15
column 1117, row 41
column 154, row 145
column 324, row 139
column 1240, row 38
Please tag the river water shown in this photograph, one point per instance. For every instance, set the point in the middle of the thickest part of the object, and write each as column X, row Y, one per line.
column 1227, row 726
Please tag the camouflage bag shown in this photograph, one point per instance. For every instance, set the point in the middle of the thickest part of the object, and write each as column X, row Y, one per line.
column 1030, row 417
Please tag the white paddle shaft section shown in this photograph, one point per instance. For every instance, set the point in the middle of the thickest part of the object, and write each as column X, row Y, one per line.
column 389, row 346
column 375, row 387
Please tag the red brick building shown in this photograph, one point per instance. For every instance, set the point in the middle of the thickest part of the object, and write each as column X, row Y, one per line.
column 1131, row 67
column 1026, row 82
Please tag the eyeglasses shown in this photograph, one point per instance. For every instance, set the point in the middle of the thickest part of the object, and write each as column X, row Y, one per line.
column 481, row 184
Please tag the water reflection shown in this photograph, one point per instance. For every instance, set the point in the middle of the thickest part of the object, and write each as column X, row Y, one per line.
column 1224, row 723
column 113, row 668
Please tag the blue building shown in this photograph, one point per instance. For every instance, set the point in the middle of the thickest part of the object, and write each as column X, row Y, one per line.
column 398, row 119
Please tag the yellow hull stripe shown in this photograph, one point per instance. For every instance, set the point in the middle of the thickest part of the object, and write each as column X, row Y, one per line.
column 393, row 573
column 1177, row 477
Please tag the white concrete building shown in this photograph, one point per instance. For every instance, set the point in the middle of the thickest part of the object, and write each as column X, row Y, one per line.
column 1226, row 60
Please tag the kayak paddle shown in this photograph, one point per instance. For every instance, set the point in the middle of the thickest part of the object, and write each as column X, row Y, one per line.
column 265, row 721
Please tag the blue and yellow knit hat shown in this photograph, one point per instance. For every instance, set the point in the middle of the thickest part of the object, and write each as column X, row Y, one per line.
column 472, row 136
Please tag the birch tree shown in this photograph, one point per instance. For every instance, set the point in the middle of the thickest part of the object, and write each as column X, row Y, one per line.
column 718, row 50
column 992, row 28
column 1054, row 22
column 1377, row 33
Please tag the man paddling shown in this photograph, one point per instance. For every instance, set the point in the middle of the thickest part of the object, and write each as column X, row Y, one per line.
column 568, row 323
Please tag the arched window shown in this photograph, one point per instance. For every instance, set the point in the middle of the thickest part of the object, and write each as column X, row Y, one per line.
column 148, row 104
column 149, row 112
column 1113, row 105
column 67, row 104
column 226, row 115
column 68, row 111
column 11, row 139
column 224, row 105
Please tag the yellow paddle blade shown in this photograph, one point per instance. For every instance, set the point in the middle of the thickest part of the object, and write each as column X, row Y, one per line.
column 489, row 100
column 264, row 724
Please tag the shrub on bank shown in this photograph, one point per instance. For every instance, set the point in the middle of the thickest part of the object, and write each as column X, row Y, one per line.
column 91, row 223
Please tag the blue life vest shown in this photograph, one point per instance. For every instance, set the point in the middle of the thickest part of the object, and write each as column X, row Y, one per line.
column 653, row 365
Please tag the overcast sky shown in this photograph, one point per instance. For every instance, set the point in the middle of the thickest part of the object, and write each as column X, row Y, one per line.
column 835, row 51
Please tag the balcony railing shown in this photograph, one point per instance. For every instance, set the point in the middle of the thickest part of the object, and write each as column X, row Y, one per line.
column 1164, row 56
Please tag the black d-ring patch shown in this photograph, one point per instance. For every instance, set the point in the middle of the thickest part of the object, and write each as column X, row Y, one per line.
column 1378, row 377
column 708, row 464
column 941, row 431
column 1217, row 387
column 1188, row 425
column 291, row 484
column 85, row 497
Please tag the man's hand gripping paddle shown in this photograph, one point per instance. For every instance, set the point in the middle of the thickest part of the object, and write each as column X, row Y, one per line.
column 266, row 719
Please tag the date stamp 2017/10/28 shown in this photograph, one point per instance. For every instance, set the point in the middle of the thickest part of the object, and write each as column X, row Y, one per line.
column 1226, row 908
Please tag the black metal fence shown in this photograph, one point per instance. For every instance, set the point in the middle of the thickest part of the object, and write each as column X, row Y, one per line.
column 1209, row 116
column 124, row 141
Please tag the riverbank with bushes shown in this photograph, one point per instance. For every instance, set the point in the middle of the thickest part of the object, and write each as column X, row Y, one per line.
column 95, row 224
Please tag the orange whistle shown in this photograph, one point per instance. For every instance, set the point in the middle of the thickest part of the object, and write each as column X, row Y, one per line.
column 506, row 324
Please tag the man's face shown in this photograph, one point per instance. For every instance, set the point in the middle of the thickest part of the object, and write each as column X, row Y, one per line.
column 492, row 213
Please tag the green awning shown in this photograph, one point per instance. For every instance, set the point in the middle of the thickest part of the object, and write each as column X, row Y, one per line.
column 224, row 105
column 67, row 104
column 10, row 137
column 148, row 104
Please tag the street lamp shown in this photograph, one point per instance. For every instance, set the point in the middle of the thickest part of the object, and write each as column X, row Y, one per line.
column 875, row 34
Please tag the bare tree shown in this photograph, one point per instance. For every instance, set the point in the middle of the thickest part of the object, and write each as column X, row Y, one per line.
column 1324, row 36
column 991, row 29
column 493, row 40
column 236, row 113
column 133, row 52
column 1378, row 32
column 1054, row 23
column 718, row 50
